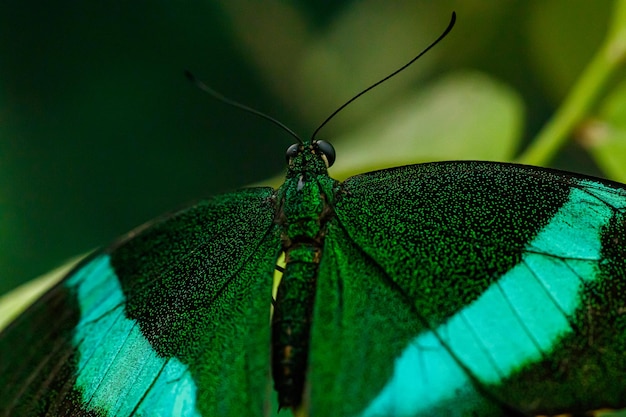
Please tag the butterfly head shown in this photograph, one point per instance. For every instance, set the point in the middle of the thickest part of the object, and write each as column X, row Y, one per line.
column 314, row 157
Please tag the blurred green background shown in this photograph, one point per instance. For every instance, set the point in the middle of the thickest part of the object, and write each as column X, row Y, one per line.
column 100, row 131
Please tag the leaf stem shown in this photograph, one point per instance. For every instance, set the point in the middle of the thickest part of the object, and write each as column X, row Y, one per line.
column 609, row 57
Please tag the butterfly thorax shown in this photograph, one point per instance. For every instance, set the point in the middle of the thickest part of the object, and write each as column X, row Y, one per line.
column 306, row 207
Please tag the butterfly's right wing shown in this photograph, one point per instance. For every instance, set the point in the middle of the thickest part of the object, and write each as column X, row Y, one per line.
column 474, row 288
column 171, row 320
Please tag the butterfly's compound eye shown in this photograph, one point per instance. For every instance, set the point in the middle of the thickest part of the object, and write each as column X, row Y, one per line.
column 328, row 152
column 292, row 152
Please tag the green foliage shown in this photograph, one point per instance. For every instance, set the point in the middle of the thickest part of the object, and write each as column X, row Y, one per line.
column 101, row 132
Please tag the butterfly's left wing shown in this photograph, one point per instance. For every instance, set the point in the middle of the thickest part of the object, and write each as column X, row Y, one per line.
column 486, row 288
column 171, row 320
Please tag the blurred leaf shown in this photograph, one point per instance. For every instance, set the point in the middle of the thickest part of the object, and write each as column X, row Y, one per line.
column 461, row 116
column 605, row 137
column 314, row 69
column 609, row 413
column 329, row 64
column 16, row 301
column 562, row 37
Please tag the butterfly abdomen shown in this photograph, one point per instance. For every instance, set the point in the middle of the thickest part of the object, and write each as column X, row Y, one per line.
column 291, row 322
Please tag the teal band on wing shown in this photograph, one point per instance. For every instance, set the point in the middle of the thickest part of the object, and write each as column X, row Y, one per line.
column 531, row 306
column 118, row 371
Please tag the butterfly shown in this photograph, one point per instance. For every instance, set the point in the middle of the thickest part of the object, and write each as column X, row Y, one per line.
column 439, row 289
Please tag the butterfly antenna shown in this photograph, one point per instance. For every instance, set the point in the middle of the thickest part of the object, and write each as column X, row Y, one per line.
column 376, row 84
column 202, row 86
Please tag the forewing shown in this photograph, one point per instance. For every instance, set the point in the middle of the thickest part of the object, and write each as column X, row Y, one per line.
column 514, row 277
column 171, row 320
